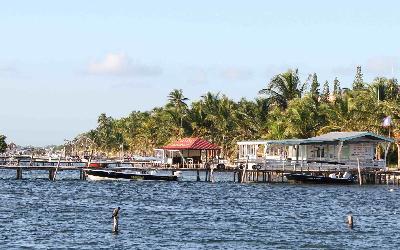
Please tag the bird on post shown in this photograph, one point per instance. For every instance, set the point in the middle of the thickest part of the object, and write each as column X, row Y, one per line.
column 115, row 212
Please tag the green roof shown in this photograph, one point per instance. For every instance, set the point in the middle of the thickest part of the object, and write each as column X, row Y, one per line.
column 332, row 137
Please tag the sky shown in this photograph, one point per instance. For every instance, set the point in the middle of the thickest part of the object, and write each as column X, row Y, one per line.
column 62, row 63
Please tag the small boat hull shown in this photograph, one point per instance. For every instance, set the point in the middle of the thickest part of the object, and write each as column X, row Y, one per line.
column 114, row 175
column 310, row 179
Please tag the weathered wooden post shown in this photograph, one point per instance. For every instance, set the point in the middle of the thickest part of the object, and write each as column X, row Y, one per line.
column 350, row 220
column 198, row 175
column 19, row 173
column 244, row 172
column 53, row 173
column 115, row 217
column 359, row 172
column 82, row 175
column 211, row 178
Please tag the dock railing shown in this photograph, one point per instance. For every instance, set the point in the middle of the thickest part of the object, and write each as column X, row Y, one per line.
column 312, row 165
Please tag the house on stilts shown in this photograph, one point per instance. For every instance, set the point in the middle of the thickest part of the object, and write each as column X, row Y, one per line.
column 335, row 150
column 188, row 153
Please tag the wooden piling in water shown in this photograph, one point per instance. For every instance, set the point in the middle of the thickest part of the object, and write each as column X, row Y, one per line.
column 198, row 176
column 350, row 220
column 52, row 174
column 82, row 175
column 19, row 173
column 115, row 217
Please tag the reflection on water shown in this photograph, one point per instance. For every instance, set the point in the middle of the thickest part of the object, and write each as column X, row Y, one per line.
column 70, row 213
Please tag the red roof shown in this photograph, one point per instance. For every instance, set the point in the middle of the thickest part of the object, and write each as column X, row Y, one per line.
column 192, row 143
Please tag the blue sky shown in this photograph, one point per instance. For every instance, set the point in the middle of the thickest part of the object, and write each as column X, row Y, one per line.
column 64, row 63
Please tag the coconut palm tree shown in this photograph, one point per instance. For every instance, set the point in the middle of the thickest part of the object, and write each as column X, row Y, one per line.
column 284, row 87
column 177, row 104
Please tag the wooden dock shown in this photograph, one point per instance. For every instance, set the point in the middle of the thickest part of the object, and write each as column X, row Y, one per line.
column 269, row 174
column 238, row 175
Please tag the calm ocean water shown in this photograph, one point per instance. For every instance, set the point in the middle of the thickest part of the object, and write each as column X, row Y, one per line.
column 74, row 214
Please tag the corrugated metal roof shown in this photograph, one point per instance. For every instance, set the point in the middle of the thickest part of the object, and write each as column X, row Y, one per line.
column 346, row 136
column 191, row 143
column 326, row 138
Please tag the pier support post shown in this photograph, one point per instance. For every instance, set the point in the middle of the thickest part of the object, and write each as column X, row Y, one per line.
column 211, row 178
column 19, row 173
column 198, row 175
column 359, row 172
column 52, row 174
column 240, row 176
column 82, row 175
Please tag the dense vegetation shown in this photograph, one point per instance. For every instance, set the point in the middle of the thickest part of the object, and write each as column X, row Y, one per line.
column 285, row 108
column 3, row 144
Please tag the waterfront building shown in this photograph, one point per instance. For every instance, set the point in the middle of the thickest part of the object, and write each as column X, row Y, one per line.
column 346, row 150
column 188, row 152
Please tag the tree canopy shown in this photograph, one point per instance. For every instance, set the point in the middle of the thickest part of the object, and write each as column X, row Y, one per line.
column 3, row 144
column 286, row 109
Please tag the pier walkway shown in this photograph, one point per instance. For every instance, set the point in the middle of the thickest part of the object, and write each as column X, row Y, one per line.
column 268, row 174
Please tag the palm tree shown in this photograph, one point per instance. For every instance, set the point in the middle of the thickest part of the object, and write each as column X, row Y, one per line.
column 177, row 101
column 284, row 87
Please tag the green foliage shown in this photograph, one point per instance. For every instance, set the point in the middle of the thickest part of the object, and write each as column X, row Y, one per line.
column 284, row 87
column 284, row 113
column 336, row 87
column 3, row 144
column 314, row 90
column 358, row 83
column 325, row 92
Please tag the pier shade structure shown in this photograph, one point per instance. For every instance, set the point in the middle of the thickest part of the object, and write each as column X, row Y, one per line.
column 189, row 152
column 335, row 150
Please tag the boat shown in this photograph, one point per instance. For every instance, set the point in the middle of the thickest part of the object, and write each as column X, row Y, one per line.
column 319, row 179
column 145, row 175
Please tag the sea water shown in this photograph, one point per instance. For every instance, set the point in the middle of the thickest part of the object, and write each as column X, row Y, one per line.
column 74, row 214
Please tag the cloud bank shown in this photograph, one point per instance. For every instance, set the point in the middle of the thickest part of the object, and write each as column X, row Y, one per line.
column 119, row 64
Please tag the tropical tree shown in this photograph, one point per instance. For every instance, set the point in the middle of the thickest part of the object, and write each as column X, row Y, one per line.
column 358, row 82
column 3, row 144
column 336, row 87
column 177, row 106
column 304, row 118
column 284, row 112
column 314, row 90
column 284, row 87
column 325, row 92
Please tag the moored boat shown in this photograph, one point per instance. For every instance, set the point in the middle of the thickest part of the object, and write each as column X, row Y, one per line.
column 117, row 175
column 311, row 179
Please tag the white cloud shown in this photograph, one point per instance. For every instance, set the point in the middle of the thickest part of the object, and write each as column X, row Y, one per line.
column 111, row 64
column 120, row 64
